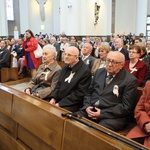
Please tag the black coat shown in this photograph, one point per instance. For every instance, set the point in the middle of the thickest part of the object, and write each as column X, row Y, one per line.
column 70, row 95
column 4, row 58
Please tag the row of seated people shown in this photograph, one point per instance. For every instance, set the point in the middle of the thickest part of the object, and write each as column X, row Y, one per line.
column 107, row 99
column 19, row 46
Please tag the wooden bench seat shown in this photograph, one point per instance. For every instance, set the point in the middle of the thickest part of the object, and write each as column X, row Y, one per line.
column 9, row 74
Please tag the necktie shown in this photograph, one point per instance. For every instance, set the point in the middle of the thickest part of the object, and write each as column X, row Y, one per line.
column 109, row 79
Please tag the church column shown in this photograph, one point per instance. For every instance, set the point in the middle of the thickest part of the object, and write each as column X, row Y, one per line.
column 3, row 18
column 24, row 15
column 141, row 17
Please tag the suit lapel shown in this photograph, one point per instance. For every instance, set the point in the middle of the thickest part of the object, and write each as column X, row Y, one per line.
column 116, row 81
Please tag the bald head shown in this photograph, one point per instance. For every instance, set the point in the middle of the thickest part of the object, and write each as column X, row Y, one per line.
column 118, row 56
column 72, row 50
column 71, row 56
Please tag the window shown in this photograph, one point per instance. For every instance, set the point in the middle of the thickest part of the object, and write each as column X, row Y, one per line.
column 148, row 28
column 9, row 9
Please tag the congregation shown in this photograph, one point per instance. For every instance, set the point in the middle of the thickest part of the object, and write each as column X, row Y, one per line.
column 91, row 77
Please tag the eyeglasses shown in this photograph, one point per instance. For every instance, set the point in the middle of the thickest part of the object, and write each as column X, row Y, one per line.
column 133, row 52
column 112, row 62
column 69, row 55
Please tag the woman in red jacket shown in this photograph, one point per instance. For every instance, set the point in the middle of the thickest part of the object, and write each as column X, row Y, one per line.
column 135, row 66
column 30, row 44
column 141, row 132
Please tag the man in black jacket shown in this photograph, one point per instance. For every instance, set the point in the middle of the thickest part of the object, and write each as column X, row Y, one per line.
column 4, row 55
column 73, row 82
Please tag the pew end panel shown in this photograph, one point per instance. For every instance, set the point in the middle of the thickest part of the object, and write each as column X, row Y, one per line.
column 39, row 118
column 6, row 101
column 79, row 136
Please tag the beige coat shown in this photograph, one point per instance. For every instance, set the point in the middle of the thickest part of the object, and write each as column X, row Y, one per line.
column 96, row 66
column 45, row 79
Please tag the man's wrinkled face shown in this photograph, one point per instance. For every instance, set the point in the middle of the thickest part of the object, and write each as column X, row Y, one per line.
column 113, row 63
column 70, row 57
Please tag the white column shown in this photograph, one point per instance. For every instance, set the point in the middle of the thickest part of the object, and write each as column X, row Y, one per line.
column 3, row 18
column 141, row 16
column 24, row 15
column 56, row 16
column 106, row 16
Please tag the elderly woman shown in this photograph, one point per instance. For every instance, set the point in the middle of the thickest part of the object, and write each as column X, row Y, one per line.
column 47, row 75
column 99, row 63
column 141, row 132
column 135, row 66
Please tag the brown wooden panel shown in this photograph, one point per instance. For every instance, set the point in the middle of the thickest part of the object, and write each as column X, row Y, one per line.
column 31, row 140
column 14, row 73
column 39, row 118
column 5, row 74
column 9, row 143
column 8, row 124
column 78, row 136
column 5, row 101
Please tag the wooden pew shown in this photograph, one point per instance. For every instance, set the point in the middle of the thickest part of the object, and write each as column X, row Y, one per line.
column 9, row 73
column 36, row 124
column 40, row 119
column 6, row 121
column 79, row 136
column 39, row 125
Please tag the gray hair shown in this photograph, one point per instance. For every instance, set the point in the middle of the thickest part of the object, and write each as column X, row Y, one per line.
column 51, row 48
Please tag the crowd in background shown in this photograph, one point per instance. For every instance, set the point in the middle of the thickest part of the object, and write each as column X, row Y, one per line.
column 91, row 53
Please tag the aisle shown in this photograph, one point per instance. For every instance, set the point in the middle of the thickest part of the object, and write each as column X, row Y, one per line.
column 20, row 86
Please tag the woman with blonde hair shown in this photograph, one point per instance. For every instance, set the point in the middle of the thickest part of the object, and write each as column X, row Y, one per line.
column 101, row 62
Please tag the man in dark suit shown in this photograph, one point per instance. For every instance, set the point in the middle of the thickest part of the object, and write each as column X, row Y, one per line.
column 56, row 45
column 86, row 55
column 73, row 82
column 119, row 47
column 110, row 104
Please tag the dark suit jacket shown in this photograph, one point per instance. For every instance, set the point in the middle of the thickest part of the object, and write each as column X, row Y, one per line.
column 4, row 58
column 89, row 61
column 57, row 46
column 114, row 109
column 125, row 52
column 70, row 95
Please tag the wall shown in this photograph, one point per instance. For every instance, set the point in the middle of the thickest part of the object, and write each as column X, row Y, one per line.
column 79, row 18
column 32, row 15
column 125, row 16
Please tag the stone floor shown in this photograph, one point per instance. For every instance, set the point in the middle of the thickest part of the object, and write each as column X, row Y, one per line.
column 20, row 86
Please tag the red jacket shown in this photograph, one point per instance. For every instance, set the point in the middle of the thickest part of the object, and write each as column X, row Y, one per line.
column 31, row 47
column 139, row 70
column 142, row 116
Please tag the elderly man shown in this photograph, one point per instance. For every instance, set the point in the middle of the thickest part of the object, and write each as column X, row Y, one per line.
column 86, row 57
column 47, row 75
column 119, row 47
column 111, row 95
column 74, row 80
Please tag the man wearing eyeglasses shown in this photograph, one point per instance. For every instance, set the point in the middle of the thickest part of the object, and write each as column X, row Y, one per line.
column 73, row 82
column 110, row 104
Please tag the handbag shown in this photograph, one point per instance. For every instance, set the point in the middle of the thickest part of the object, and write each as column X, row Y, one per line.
column 38, row 52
